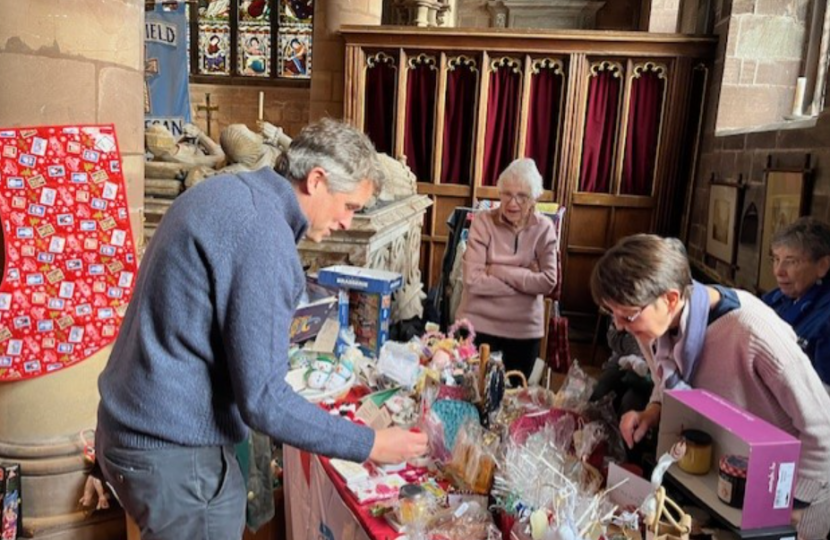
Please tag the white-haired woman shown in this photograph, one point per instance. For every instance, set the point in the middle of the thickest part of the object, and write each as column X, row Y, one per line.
column 509, row 265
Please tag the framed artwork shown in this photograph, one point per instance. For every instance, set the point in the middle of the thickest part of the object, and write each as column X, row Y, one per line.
column 723, row 212
column 786, row 199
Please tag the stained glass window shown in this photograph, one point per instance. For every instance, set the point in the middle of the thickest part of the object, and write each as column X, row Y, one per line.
column 237, row 40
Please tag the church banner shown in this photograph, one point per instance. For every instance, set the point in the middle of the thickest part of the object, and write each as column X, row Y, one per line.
column 166, row 92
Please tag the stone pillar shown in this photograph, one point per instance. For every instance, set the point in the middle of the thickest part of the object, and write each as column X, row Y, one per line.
column 328, row 60
column 664, row 16
column 68, row 62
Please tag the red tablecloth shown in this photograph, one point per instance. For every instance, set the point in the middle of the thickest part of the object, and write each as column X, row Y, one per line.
column 376, row 528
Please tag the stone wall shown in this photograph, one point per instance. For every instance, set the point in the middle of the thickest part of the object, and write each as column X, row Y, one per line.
column 286, row 107
column 764, row 46
column 664, row 16
column 727, row 157
column 615, row 15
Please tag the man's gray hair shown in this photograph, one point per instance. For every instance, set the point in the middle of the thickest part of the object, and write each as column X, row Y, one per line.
column 810, row 235
column 346, row 154
column 523, row 170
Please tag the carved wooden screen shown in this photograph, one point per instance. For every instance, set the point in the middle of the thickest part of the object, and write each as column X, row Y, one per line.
column 623, row 172
column 501, row 125
column 544, row 126
column 646, row 106
column 419, row 134
column 459, row 119
column 599, row 142
column 467, row 102
column 381, row 88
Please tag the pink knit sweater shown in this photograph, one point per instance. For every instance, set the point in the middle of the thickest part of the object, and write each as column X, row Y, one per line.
column 752, row 359
column 506, row 273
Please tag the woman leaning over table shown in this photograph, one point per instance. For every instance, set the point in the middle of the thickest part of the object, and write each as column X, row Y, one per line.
column 722, row 340
column 509, row 265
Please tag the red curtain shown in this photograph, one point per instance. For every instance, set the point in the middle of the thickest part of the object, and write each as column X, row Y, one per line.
column 543, row 124
column 379, row 118
column 644, row 115
column 600, row 130
column 420, row 120
column 459, row 121
column 502, row 122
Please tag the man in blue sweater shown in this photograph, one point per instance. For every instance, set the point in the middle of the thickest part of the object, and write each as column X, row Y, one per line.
column 202, row 352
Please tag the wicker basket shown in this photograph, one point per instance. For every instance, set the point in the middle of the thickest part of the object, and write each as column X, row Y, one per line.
column 663, row 525
column 518, row 375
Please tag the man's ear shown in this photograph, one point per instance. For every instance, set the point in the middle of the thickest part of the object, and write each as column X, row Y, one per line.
column 315, row 181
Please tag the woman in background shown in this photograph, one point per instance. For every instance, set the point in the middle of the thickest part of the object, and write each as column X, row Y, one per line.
column 509, row 265
column 722, row 340
column 800, row 262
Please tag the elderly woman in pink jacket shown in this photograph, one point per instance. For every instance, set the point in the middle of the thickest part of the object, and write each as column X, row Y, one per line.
column 509, row 265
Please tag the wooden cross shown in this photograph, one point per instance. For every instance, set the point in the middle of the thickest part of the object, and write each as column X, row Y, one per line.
column 208, row 108
column 151, row 69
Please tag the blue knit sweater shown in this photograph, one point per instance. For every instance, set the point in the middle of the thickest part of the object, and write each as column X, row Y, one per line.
column 202, row 352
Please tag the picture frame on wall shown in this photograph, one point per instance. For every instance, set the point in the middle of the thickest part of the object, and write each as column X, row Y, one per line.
column 721, row 226
column 787, row 197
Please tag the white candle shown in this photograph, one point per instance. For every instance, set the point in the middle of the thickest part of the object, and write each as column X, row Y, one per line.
column 798, row 98
column 262, row 104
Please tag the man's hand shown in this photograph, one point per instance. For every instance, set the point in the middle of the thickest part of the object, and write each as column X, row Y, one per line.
column 635, row 424
column 534, row 266
column 394, row 445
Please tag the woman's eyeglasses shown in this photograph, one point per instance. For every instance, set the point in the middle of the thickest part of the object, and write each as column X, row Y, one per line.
column 627, row 318
column 521, row 198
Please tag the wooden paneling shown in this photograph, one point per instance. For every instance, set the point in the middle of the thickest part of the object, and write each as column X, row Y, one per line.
column 437, row 257
column 589, row 226
column 628, row 221
column 443, row 209
column 580, row 266
column 594, row 221
column 535, row 41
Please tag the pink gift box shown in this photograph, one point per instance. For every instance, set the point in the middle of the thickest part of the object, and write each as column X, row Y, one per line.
column 773, row 456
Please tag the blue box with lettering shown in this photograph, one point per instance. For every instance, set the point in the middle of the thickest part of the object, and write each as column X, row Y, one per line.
column 364, row 303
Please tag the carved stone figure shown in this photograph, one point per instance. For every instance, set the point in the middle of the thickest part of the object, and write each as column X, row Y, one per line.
column 400, row 182
column 246, row 150
column 195, row 149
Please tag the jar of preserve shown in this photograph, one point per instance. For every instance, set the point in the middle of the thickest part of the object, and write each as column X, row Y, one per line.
column 732, row 480
column 698, row 456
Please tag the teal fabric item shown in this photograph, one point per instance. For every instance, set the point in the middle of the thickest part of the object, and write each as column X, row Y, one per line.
column 453, row 413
